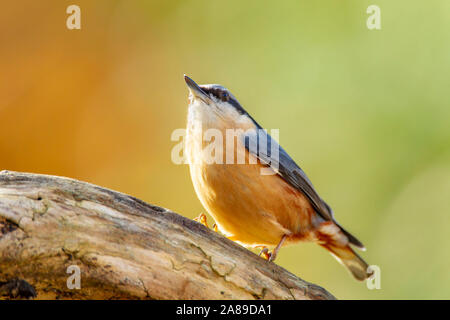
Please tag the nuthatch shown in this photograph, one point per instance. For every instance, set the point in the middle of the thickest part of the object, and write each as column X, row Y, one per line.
column 254, row 209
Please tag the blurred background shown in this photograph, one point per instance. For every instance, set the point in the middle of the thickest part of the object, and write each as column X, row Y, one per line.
column 365, row 113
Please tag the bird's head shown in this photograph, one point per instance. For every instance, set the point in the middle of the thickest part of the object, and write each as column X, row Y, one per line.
column 219, row 98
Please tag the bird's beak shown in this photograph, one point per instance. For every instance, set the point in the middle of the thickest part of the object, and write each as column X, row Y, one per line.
column 196, row 91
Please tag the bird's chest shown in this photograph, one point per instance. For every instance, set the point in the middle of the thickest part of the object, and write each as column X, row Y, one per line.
column 252, row 207
column 212, row 158
column 215, row 138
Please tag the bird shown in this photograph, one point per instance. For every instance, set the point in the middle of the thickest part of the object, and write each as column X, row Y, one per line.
column 254, row 208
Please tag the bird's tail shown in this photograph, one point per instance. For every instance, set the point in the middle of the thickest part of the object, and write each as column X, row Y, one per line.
column 350, row 259
column 335, row 239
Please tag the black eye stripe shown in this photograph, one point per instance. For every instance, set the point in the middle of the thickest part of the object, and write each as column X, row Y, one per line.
column 221, row 94
column 224, row 96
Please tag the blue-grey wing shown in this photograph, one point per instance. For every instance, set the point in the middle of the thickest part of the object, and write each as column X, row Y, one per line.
column 260, row 144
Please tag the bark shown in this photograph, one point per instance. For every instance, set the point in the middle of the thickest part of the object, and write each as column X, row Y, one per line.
column 124, row 248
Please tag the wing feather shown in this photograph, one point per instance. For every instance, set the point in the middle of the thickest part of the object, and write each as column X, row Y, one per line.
column 259, row 143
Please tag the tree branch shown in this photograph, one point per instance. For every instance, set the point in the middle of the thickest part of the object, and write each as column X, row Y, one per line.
column 125, row 248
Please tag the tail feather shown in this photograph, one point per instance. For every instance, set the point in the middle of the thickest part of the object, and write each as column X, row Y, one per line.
column 352, row 239
column 350, row 259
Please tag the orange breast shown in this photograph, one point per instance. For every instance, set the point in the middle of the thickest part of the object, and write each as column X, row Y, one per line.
column 251, row 208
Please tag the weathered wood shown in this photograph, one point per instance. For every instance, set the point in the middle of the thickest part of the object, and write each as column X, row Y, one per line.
column 125, row 248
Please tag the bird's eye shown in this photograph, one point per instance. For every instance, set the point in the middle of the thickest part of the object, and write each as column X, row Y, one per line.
column 224, row 96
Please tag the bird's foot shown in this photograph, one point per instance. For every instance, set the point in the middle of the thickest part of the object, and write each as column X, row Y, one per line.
column 272, row 255
column 265, row 253
column 202, row 219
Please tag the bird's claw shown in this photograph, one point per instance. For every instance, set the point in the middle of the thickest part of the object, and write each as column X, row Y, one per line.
column 265, row 254
column 202, row 219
